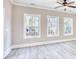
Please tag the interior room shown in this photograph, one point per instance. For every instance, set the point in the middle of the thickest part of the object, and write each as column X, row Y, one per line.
column 39, row 29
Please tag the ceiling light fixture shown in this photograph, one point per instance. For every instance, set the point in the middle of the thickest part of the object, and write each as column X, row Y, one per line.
column 65, row 8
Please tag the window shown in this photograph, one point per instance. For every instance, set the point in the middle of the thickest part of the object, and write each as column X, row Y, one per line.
column 52, row 26
column 68, row 26
column 31, row 26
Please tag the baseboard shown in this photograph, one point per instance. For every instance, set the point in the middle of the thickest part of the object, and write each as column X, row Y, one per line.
column 40, row 43
column 6, row 52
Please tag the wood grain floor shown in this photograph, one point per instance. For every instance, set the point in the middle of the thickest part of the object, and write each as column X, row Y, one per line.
column 66, row 50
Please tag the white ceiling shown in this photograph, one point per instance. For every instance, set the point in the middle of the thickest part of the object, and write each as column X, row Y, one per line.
column 48, row 4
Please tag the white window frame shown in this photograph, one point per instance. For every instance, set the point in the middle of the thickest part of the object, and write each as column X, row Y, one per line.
column 27, row 37
column 47, row 27
column 71, row 27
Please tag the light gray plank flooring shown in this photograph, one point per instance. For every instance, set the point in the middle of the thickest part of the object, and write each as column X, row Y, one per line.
column 65, row 50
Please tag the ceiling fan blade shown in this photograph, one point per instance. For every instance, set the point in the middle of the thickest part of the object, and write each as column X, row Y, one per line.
column 65, row 0
column 72, row 6
column 71, row 2
column 59, row 2
column 58, row 7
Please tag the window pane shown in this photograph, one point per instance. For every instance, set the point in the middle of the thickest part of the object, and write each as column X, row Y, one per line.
column 36, row 20
column 28, row 20
column 31, row 26
column 53, row 26
column 68, row 26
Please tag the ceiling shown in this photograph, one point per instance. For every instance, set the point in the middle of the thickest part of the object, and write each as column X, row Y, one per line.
column 46, row 4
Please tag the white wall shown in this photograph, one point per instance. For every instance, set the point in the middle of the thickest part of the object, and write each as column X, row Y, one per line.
column 18, row 23
column 7, row 27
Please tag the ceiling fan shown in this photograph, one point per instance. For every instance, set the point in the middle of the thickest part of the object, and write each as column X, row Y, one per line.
column 65, row 4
